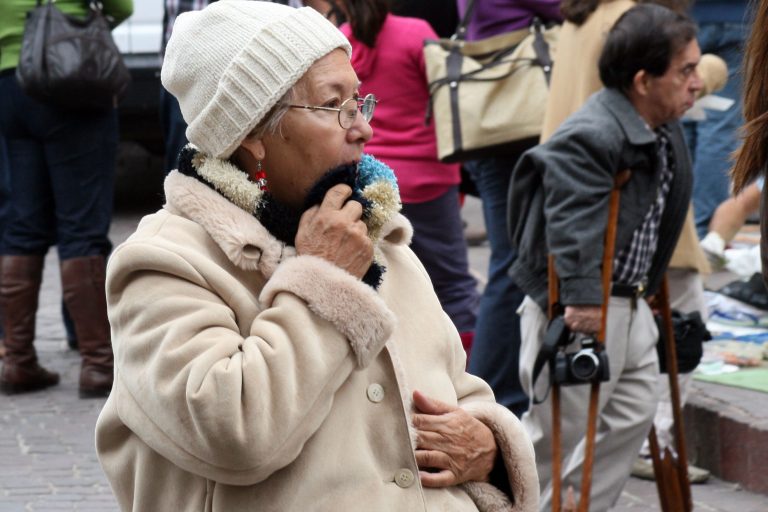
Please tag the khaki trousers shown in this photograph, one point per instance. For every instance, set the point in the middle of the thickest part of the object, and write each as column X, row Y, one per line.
column 626, row 406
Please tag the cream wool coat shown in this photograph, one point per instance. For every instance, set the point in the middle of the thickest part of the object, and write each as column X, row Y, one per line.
column 248, row 378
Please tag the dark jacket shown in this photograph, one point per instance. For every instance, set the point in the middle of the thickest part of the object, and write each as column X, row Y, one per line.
column 559, row 194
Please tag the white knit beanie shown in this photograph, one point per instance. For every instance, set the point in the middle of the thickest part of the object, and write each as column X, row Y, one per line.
column 231, row 62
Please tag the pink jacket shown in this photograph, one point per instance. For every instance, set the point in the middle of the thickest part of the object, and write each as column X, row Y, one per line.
column 394, row 71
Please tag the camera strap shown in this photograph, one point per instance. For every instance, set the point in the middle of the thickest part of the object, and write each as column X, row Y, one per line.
column 546, row 354
column 541, row 359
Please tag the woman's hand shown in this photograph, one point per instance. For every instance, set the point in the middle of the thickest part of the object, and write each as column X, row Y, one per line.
column 335, row 232
column 452, row 447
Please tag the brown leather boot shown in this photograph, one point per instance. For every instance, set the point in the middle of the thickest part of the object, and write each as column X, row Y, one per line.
column 20, row 278
column 82, row 282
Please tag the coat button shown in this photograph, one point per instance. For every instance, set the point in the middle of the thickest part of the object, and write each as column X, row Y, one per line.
column 404, row 478
column 375, row 393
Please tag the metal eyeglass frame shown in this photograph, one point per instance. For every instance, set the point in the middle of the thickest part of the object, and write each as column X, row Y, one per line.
column 365, row 106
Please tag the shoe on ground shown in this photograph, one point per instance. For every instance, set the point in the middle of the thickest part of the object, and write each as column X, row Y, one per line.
column 475, row 237
column 24, row 378
column 697, row 475
column 643, row 469
column 752, row 292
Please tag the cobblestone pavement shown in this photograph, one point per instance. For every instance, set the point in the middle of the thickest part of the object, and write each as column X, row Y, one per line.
column 47, row 458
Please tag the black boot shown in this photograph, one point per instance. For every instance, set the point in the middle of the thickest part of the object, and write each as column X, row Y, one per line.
column 82, row 282
column 20, row 278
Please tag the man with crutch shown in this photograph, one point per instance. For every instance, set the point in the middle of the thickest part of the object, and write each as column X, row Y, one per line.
column 559, row 211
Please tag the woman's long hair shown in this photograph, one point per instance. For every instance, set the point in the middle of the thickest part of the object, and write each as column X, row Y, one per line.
column 752, row 156
column 366, row 18
column 578, row 11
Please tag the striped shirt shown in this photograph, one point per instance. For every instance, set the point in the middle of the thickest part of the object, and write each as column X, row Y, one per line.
column 633, row 262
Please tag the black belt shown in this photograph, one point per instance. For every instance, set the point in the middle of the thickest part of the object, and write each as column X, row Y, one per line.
column 634, row 291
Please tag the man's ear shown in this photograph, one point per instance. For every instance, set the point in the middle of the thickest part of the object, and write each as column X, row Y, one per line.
column 640, row 82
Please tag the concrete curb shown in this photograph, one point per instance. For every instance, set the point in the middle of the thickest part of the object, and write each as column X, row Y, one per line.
column 727, row 433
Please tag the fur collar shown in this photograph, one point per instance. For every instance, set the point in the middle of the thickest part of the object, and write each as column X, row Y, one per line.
column 244, row 240
column 372, row 182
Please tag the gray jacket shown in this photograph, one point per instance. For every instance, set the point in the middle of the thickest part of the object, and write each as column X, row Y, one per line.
column 559, row 194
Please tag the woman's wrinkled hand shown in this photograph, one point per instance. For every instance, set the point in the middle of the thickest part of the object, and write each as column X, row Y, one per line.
column 335, row 232
column 452, row 446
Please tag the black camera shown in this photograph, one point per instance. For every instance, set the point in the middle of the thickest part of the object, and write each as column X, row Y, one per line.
column 589, row 364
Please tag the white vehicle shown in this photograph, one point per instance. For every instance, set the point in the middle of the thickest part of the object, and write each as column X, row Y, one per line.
column 139, row 39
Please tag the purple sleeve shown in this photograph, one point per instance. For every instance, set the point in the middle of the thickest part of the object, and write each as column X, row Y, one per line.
column 548, row 10
column 493, row 17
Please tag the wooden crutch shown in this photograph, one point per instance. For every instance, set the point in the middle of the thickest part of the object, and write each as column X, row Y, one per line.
column 670, row 470
column 554, row 308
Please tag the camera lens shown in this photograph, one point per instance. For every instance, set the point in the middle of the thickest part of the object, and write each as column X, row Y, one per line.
column 584, row 365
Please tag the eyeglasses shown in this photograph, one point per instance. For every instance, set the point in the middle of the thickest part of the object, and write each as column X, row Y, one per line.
column 348, row 110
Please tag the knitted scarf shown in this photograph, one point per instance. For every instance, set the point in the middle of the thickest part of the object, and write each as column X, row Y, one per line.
column 373, row 184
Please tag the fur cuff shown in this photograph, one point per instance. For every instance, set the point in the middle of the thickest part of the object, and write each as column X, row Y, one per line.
column 335, row 295
column 517, row 452
column 488, row 498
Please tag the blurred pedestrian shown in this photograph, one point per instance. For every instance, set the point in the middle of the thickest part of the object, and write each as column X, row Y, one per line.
column 722, row 32
column 496, row 348
column 62, row 166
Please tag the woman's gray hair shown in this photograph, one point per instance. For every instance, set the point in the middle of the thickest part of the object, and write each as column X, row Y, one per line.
column 270, row 125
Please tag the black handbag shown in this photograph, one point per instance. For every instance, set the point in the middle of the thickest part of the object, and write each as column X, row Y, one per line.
column 690, row 333
column 71, row 62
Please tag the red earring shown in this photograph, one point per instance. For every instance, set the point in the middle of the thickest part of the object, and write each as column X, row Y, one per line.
column 260, row 177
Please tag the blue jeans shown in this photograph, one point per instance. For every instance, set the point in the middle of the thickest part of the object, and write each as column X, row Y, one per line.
column 495, row 353
column 5, row 187
column 712, row 141
column 62, row 167
column 5, row 190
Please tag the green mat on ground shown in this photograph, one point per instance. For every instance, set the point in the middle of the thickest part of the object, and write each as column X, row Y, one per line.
column 752, row 378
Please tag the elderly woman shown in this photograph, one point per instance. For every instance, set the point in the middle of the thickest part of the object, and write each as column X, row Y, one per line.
column 277, row 345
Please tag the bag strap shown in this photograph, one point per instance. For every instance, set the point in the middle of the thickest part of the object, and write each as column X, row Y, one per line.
column 461, row 30
column 541, row 48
